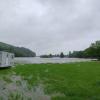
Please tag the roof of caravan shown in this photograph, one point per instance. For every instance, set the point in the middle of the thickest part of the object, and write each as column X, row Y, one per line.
column 6, row 52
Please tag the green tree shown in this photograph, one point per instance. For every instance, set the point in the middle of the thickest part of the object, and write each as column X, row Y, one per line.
column 62, row 55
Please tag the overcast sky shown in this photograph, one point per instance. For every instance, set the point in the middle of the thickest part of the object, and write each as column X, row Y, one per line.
column 50, row 26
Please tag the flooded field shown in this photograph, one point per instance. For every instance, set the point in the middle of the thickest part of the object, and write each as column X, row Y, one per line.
column 37, row 60
column 13, row 87
column 72, row 81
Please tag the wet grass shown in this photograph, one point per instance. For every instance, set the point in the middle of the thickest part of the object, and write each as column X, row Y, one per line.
column 7, row 79
column 15, row 96
column 75, row 81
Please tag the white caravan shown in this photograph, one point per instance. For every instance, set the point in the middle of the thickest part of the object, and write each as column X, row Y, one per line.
column 6, row 59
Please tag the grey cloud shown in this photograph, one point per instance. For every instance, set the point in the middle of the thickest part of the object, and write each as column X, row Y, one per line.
column 50, row 25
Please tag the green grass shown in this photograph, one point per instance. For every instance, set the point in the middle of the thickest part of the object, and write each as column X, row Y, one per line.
column 75, row 81
column 15, row 96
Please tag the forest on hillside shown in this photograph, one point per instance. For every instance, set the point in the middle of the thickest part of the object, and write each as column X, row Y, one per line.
column 18, row 51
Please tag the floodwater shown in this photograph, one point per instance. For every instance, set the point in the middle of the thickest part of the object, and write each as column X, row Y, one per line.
column 38, row 60
column 14, row 87
column 18, row 89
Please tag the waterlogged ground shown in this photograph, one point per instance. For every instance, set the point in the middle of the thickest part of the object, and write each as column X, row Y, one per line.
column 74, row 81
column 38, row 60
column 14, row 87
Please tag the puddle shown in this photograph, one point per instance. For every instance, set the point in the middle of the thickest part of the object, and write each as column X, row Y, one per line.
column 39, row 94
column 19, row 88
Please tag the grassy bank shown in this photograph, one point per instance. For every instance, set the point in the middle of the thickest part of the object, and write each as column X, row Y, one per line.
column 76, row 81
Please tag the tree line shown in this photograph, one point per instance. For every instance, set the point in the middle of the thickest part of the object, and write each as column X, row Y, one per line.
column 93, row 51
column 61, row 55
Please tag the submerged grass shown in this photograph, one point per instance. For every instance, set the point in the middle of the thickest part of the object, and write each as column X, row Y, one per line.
column 75, row 81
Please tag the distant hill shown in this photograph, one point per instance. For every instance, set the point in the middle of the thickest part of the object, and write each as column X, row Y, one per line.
column 18, row 51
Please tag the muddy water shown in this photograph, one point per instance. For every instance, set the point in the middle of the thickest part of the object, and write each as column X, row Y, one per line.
column 18, row 89
column 37, row 60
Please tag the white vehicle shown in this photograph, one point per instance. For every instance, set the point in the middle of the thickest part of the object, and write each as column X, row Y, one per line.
column 6, row 59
